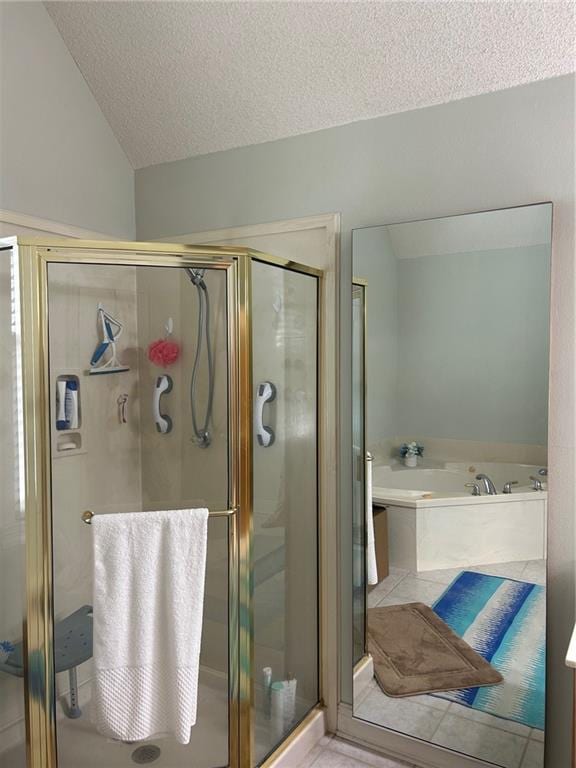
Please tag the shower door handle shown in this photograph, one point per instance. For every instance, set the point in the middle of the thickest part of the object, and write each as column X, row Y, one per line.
column 265, row 393
column 163, row 386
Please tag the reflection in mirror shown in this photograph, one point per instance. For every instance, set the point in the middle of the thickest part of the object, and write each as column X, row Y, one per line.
column 450, row 379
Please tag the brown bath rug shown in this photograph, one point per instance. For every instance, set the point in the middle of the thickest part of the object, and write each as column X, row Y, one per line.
column 414, row 652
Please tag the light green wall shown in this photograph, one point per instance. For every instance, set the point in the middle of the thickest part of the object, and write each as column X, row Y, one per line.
column 505, row 148
column 378, row 266
column 457, row 344
column 473, row 345
column 59, row 159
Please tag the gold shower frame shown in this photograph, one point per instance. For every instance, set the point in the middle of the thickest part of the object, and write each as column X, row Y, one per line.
column 34, row 256
column 359, row 288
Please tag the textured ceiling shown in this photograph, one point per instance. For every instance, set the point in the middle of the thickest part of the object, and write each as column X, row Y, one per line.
column 177, row 79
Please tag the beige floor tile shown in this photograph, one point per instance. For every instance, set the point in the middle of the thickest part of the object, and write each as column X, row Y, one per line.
column 482, row 741
column 385, row 586
column 431, row 701
column 328, row 758
column 343, row 754
column 414, row 589
column 443, row 576
column 511, row 570
column 535, row 572
column 534, row 755
column 367, row 756
column 391, row 600
column 312, row 756
column 403, row 715
column 487, row 719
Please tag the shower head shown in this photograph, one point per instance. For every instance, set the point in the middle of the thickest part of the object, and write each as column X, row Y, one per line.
column 196, row 276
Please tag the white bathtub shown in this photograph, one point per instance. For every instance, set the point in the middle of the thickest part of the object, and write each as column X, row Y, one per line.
column 434, row 522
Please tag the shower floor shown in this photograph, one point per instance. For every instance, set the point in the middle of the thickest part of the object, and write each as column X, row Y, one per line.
column 80, row 746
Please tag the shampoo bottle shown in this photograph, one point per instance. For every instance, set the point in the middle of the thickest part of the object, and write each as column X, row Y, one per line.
column 71, row 405
column 61, row 404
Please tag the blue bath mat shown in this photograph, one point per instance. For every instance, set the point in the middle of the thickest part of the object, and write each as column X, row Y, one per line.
column 505, row 622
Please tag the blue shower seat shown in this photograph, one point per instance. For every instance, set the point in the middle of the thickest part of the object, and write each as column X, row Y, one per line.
column 72, row 647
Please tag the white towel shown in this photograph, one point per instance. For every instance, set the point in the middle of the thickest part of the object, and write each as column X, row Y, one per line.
column 371, row 567
column 149, row 570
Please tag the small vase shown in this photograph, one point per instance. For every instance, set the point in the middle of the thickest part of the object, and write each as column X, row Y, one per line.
column 411, row 461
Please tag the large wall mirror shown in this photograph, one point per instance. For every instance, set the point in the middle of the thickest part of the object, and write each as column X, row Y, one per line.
column 450, row 384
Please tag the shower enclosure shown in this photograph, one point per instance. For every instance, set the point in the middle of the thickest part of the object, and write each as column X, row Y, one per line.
column 209, row 399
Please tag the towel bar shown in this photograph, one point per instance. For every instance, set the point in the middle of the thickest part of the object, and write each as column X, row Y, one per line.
column 87, row 516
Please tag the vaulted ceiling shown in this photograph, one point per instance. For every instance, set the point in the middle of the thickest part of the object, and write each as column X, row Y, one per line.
column 177, row 79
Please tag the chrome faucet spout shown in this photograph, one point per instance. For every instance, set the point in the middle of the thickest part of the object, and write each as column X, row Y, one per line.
column 489, row 486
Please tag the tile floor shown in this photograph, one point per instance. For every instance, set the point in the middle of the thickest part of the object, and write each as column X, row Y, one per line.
column 442, row 722
column 332, row 752
column 509, row 744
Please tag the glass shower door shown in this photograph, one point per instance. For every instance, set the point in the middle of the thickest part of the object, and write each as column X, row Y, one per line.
column 131, row 446
column 285, row 487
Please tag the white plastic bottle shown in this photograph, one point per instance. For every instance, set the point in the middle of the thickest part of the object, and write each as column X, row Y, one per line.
column 71, row 405
column 289, row 705
column 277, row 708
column 266, row 685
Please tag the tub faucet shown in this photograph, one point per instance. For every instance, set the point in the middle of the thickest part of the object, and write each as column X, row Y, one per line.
column 536, row 483
column 508, row 486
column 475, row 488
column 489, row 486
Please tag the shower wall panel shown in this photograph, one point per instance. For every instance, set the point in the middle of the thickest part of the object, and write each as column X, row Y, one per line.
column 176, row 472
column 206, row 476
column 174, row 468
column 104, row 474
column 159, row 300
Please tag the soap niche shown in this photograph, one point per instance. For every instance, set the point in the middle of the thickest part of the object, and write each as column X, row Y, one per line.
column 69, row 441
column 67, row 435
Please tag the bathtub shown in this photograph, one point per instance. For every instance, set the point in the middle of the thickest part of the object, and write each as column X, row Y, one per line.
column 434, row 522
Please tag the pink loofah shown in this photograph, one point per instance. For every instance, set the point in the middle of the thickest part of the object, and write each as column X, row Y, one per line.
column 163, row 352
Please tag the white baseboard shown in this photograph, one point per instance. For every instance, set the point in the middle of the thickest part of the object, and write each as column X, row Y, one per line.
column 363, row 675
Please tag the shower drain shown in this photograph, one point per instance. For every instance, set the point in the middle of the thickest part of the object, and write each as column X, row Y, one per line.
column 146, row 754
